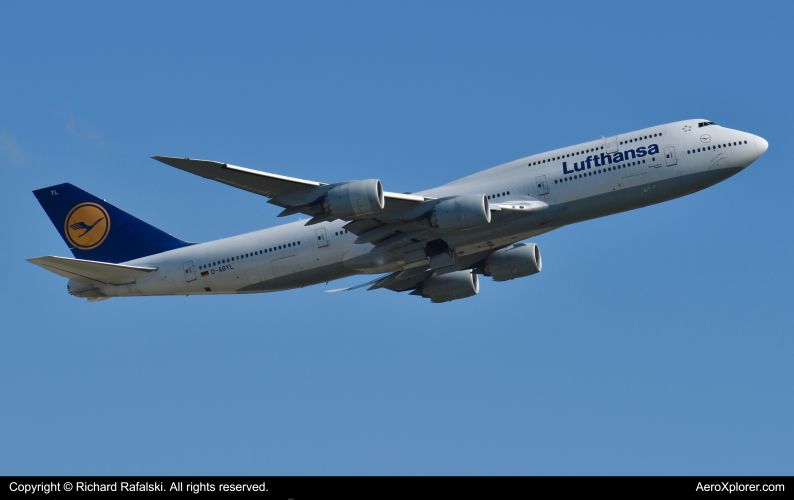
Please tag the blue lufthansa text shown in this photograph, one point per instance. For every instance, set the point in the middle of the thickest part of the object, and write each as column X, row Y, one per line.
column 606, row 159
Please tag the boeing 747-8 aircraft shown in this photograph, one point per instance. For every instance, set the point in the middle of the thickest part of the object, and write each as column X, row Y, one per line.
column 433, row 243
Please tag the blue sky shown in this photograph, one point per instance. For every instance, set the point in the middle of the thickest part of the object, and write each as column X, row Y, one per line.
column 657, row 341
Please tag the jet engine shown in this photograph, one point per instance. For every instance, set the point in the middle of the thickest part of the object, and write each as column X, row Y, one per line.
column 452, row 286
column 461, row 212
column 354, row 198
column 516, row 261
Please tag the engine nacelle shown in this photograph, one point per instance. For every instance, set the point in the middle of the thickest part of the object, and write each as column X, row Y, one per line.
column 355, row 198
column 516, row 261
column 461, row 212
column 451, row 286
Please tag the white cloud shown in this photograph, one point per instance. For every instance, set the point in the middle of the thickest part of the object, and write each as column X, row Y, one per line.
column 10, row 150
column 81, row 130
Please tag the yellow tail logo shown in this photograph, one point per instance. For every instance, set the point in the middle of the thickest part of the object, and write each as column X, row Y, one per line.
column 87, row 226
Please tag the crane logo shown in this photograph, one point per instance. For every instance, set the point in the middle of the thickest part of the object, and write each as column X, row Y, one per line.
column 87, row 226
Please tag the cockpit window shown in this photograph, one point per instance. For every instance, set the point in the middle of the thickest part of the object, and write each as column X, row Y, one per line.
column 705, row 124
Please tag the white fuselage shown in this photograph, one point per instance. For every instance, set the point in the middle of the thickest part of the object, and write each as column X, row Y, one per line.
column 573, row 181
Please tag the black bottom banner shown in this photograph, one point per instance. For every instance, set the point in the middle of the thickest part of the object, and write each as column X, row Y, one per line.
column 298, row 488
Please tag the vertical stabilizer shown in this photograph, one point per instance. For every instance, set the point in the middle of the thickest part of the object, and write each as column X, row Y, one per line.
column 96, row 230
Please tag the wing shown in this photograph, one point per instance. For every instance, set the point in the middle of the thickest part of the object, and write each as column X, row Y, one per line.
column 401, row 220
column 295, row 195
column 400, row 281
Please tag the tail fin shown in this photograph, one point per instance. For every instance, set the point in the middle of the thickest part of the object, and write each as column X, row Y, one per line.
column 98, row 231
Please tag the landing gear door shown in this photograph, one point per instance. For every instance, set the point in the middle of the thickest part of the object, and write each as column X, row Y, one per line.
column 612, row 145
column 190, row 275
column 669, row 156
column 322, row 238
column 543, row 188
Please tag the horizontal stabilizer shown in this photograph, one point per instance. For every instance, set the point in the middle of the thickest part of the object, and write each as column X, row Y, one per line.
column 90, row 272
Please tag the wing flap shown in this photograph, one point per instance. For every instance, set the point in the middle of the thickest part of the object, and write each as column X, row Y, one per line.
column 91, row 272
column 521, row 205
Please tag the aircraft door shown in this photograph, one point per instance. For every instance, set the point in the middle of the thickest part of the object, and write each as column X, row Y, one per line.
column 322, row 238
column 669, row 156
column 612, row 145
column 190, row 275
column 543, row 188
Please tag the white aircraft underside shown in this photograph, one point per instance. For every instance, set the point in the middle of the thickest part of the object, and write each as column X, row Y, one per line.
column 434, row 243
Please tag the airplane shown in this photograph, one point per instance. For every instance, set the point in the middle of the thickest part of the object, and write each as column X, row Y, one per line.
column 434, row 243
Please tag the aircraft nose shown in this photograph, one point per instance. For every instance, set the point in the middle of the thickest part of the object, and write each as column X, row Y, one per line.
column 761, row 145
